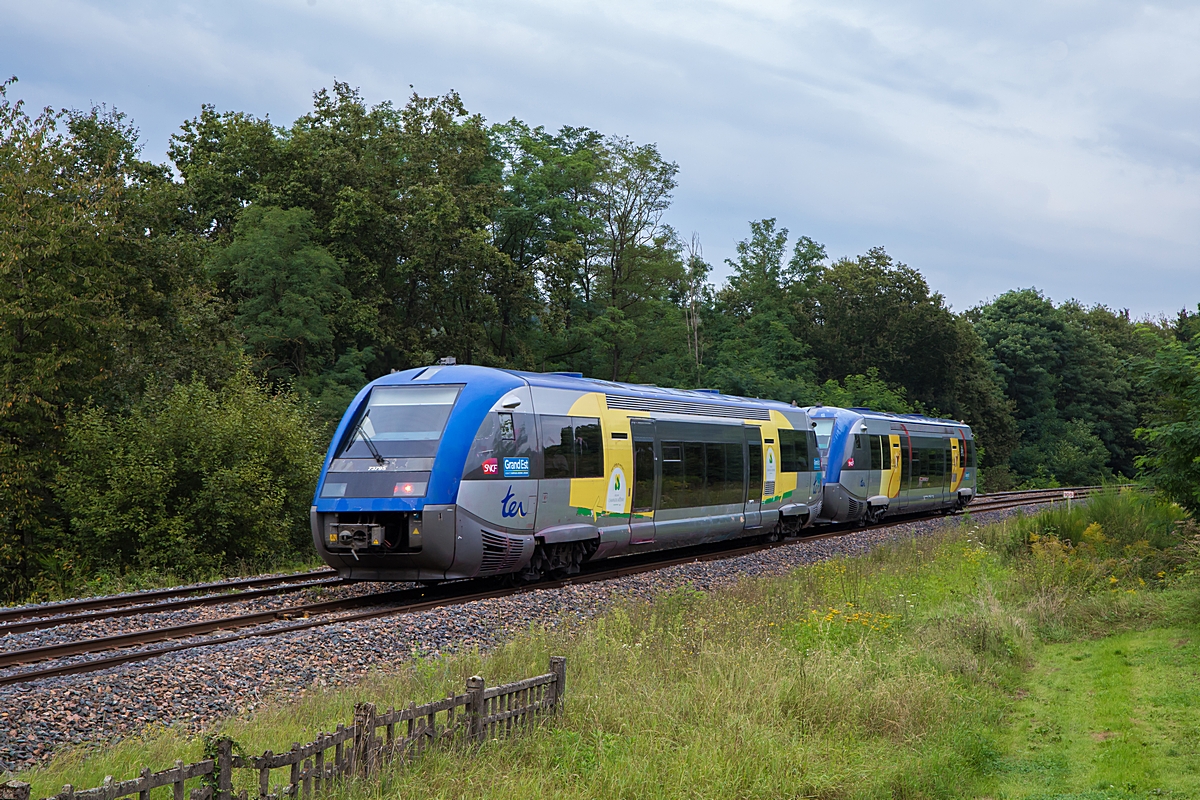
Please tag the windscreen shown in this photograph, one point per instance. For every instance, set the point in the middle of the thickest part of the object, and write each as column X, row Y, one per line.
column 401, row 421
column 824, row 429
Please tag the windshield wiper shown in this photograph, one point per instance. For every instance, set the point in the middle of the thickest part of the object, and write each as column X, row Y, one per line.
column 358, row 431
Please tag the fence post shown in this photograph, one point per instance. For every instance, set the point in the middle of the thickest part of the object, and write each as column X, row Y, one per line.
column 475, row 687
column 558, row 665
column 364, row 737
column 14, row 790
column 224, row 769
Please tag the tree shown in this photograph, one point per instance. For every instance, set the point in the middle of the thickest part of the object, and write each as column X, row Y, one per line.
column 1172, row 433
column 71, row 248
column 284, row 289
column 190, row 480
column 872, row 311
column 866, row 391
column 227, row 161
column 401, row 198
column 639, row 265
column 756, row 351
column 1067, row 379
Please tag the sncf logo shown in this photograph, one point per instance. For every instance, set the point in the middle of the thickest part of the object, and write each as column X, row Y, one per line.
column 491, row 467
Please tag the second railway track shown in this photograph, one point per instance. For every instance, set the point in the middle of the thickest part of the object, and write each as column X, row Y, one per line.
column 368, row 606
column 223, row 591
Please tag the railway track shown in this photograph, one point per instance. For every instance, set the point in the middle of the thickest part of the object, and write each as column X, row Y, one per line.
column 224, row 591
column 380, row 604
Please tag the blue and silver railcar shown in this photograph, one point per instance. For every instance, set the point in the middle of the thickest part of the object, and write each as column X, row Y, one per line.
column 880, row 464
column 452, row 472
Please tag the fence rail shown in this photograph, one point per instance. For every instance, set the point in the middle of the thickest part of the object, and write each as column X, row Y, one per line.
column 357, row 750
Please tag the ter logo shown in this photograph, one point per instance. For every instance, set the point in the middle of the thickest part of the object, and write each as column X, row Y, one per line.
column 510, row 507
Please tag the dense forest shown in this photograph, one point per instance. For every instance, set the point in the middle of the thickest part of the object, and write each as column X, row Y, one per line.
column 177, row 339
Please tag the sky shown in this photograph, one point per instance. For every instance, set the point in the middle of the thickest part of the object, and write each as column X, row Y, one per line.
column 1046, row 143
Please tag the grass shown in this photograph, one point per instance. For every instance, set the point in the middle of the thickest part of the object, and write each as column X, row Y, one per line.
column 981, row 662
column 1111, row 717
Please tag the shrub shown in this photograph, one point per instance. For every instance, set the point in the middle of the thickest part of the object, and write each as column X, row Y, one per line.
column 190, row 481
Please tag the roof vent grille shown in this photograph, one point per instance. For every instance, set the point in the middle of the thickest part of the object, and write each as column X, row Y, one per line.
column 664, row 406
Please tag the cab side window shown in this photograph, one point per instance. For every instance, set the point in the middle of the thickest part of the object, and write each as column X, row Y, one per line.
column 501, row 435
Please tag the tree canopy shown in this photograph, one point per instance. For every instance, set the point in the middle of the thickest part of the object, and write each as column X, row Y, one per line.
column 149, row 312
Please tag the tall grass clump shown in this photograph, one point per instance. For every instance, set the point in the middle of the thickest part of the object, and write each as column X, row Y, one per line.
column 1126, row 516
column 1091, row 569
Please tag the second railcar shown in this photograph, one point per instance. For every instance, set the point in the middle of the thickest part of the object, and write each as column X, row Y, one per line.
column 879, row 464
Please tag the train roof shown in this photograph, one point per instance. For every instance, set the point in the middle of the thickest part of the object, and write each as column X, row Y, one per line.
column 576, row 381
column 815, row 411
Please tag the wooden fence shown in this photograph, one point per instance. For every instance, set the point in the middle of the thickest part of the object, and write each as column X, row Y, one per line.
column 357, row 750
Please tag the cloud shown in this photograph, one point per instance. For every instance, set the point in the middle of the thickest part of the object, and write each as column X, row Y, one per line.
column 989, row 145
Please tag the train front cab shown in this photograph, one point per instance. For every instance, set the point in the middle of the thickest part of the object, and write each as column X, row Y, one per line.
column 386, row 506
column 891, row 464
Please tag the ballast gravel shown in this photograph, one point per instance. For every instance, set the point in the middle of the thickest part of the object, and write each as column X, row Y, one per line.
column 194, row 688
column 157, row 620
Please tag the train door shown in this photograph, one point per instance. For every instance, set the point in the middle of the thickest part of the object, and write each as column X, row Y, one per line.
column 754, row 471
column 956, row 463
column 874, row 482
column 889, row 483
column 644, row 483
column 948, row 468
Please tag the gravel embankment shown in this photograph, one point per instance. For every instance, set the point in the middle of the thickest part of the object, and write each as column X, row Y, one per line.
column 194, row 688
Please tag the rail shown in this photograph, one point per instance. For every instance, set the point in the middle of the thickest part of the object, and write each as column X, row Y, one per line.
column 220, row 593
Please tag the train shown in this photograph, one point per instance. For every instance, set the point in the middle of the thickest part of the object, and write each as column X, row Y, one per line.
column 454, row 471
column 879, row 464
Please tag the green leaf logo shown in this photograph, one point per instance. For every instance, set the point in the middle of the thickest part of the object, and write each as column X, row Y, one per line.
column 617, row 483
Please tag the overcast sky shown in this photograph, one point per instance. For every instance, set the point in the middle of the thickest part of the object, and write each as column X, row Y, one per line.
column 990, row 145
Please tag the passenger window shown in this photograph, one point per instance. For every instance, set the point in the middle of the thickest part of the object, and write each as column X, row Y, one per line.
column 693, row 470
column 714, row 473
column 589, row 448
column 787, row 453
column 674, row 481
column 793, row 451
column 572, row 447
column 558, row 442
column 876, row 444
column 735, row 474
column 754, row 450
